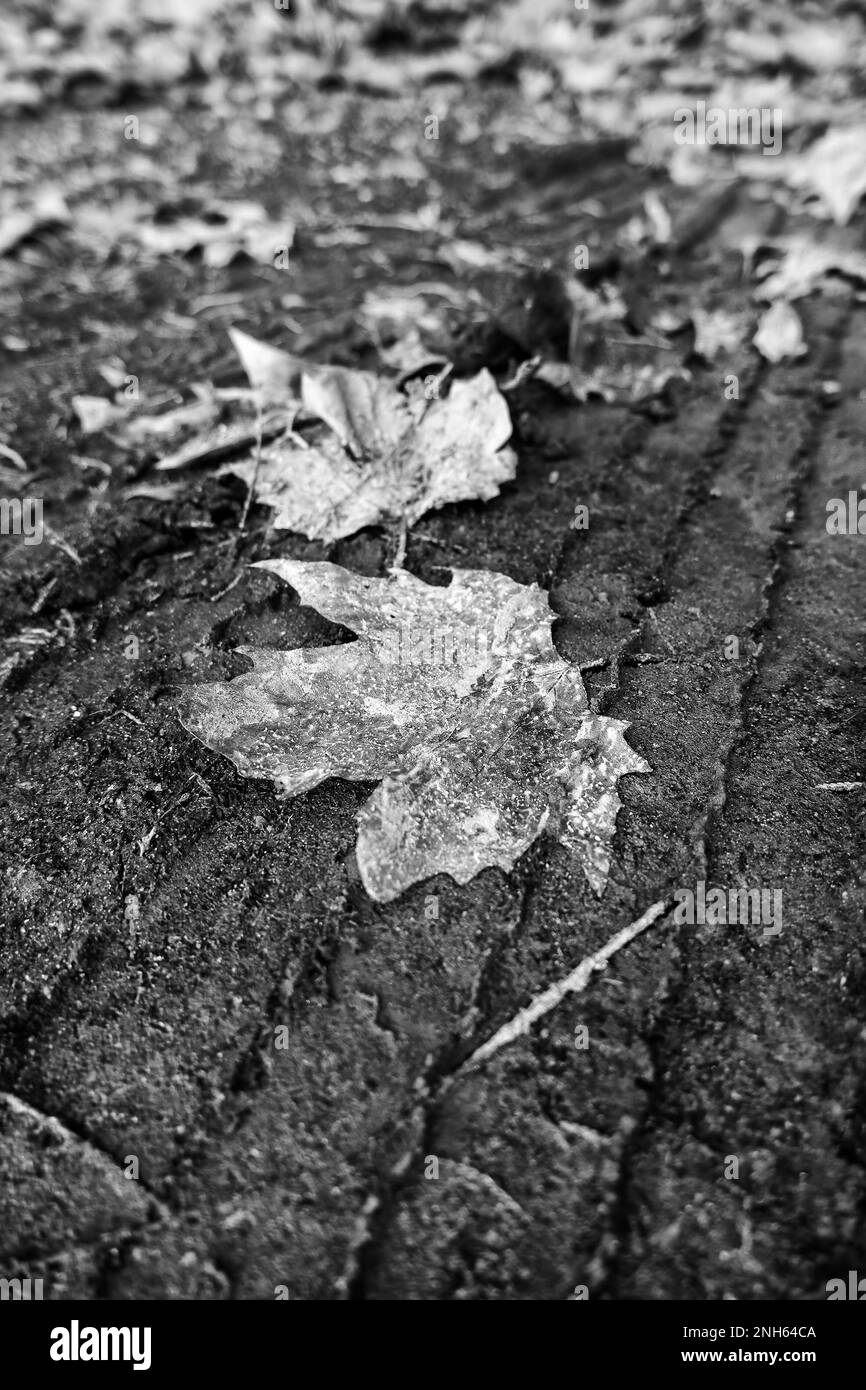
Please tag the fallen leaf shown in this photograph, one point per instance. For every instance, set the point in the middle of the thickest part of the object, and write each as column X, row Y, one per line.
column 220, row 230
column 275, row 377
column 817, row 46
column 821, row 48
column 155, row 492
column 7, row 452
column 114, row 373
column 462, row 254
column 604, row 358
column 454, row 699
column 803, row 265
column 273, row 374
column 383, row 455
column 407, row 331
column 408, row 356
column 218, row 444
column 192, row 415
column 341, row 236
column 95, row 413
column 48, row 209
column 780, row 333
column 228, row 229
column 834, row 169
column 625, row 383
column 717, row 331
column 659, row 218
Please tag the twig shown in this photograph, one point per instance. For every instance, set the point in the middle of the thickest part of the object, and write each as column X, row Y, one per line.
column 43, row 594
column 522, row 372
column 55, row 538
column 252, row 486
column 215, row 598
column 126, row 714
column 13, row 456
column 400, row 555
column 443, row 545
column 597, row 664
column 575, row 983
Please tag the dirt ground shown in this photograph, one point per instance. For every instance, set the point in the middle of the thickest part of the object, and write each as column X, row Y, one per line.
column 163, row 918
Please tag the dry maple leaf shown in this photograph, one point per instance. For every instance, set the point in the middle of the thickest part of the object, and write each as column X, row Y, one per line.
column 454, row 699
column 381, row 454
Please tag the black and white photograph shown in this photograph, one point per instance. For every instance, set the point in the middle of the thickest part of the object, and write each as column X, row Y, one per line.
column 432, row 592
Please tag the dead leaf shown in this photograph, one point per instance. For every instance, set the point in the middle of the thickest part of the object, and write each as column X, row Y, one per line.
column 275, row 377
column 780, row 333
column 192, row 415
column 462, row 255
column 218, row 444
column 803, row 265
column 408, row 331
column 661, row 227
column 717, row 331
column 133, row 429
column 834, row 169
column 155, row 492
column 624, row 383
column 455, row 699
column 273, row 374
column 605, row 359
column 95, row 413
column 221, row 232
column 219, row 229
column 818, row 46
column 48, row 209
column 384, row 455
column 7, row 452
column 822, row 48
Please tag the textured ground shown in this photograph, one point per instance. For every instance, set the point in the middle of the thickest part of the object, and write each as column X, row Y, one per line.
column 163, row 917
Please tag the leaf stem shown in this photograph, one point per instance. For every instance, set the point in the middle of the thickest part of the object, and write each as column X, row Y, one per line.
column 253, row 481
column 402, row 537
